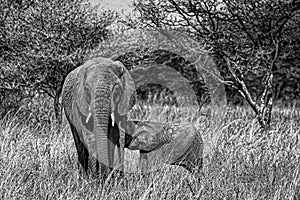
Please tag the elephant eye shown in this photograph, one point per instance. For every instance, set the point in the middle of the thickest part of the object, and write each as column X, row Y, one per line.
column 122, row 72
column 117, row 70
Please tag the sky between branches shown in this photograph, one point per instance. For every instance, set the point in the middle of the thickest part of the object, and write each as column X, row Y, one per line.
column 113, row 4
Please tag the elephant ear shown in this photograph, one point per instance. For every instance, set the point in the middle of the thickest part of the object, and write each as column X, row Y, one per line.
column 123, row 91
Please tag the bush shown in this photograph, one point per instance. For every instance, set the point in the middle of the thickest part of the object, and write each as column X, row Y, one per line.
column 42, row 41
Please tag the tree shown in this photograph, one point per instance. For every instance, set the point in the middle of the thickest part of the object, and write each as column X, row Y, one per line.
column 42, row 41
column 249, row 36
column 142, row 58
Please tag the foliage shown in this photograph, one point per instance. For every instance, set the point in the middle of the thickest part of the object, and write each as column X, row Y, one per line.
column 249, row 39
column 239, row 163
column 139, row 48
column 41, row 41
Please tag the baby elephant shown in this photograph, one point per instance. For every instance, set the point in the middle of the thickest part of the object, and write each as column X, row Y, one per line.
column 176, row 143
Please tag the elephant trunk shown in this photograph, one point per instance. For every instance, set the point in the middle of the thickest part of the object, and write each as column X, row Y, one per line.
column 102, row 112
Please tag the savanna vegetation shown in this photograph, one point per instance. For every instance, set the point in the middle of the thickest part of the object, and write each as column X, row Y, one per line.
column 240, row 162
column 251, row 144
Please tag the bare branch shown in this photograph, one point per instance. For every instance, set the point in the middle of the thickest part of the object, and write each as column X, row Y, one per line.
column 243, row 90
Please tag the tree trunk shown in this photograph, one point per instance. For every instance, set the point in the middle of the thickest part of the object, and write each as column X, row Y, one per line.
column 266, row 106
column 263, row 108
column 57, row 109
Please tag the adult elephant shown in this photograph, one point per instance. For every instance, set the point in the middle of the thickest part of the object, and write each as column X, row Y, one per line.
column 96, row 98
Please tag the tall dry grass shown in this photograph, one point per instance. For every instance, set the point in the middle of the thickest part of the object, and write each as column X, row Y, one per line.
column 240, row 162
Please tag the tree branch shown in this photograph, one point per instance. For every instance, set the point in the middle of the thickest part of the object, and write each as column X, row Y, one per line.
column 243, row 90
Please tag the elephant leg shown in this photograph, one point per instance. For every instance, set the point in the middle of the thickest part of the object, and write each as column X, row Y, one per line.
column 82, row 152
column 114, row 139
column 101, row 171
column 113, row 135
column 193, row 165
column 192, row 159
column 143, row 162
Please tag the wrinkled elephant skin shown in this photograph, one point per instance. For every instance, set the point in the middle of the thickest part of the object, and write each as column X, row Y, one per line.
column 92, row 93
column 168, row 143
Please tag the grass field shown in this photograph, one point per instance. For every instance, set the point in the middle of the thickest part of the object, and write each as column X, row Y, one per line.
column 240, row 162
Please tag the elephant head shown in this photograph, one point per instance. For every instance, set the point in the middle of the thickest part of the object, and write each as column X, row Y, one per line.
column 95, row 94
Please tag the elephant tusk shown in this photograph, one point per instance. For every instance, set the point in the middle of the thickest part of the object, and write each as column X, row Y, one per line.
column 112, row 119
column 88, row 117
